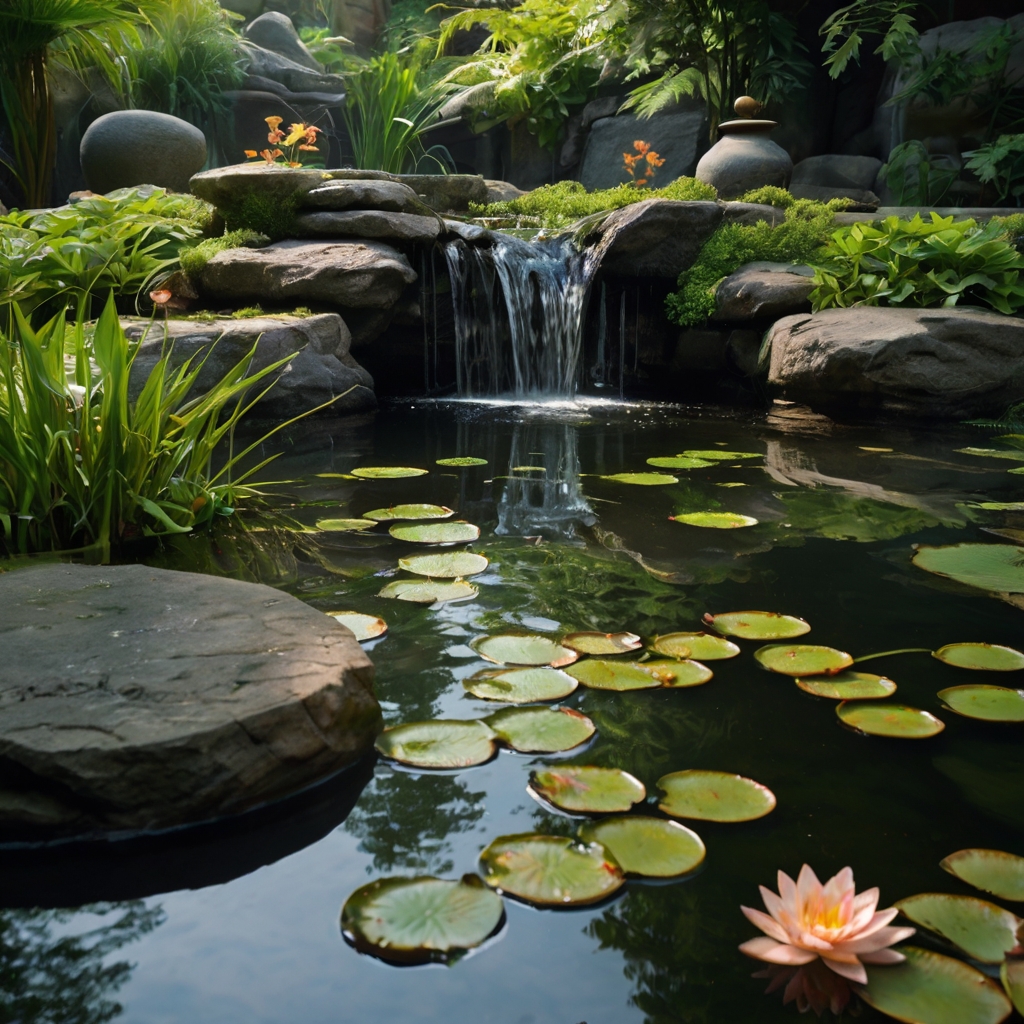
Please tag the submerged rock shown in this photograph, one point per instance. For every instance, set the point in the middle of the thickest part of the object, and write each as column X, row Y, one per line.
column 761, row 290
column 925, row 362
column 143, row 699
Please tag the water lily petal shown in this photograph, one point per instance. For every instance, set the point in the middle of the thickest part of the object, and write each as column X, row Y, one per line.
column 809, row 940
column 783, row 912
column 853, row 971
column 767, row 924
column 878, row 921
column 808, row 888
column 882, row 956
column 863, row 911
column 787, row 892
column 876, row 941
column 773, row 952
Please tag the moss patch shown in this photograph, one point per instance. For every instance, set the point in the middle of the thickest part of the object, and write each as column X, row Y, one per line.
column 193, row 258
column 268, row 215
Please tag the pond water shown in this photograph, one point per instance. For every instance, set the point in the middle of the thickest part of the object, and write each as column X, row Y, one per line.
column 838, row 516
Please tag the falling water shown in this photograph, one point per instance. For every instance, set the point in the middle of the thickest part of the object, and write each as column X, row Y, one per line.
column 519, row 309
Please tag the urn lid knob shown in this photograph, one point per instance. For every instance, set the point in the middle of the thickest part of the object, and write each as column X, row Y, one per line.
column 747, row 106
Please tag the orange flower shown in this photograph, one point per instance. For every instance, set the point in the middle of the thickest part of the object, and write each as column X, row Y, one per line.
column 309, row 149
column 654, row 160
column 273, row 122
column 298, row 131
column 294, row 163
column 311, row 133
column 641, row 147
column 641, row 181
column 275, row 136
column 250, row 153
column 161, row 297
column 270, row 155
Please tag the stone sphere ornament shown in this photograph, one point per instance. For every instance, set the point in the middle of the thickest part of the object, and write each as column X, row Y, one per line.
column 745, row 158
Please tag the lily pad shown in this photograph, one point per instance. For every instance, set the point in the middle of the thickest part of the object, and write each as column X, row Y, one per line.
column 451, row 565
column 1011, row 974
column 714, row 796
column 986, row 703
column 702, row 646
column 642, row 479
column 365, row 627
column 998, row 567
column 715, row 520
column 421, row 920
column 982, row 930
column 550, row 871
column 439, row 743
column 679, row 462
column 758, row 625
column 717, row 453
column 647, row 846
column 679, row 674
column 465, row 460
column 430, row 592
column 894, row 720
column 613, row 675
column 521, row 685
column 993, row 453
column 994, row 871
column 802, row 659
column 987, row 657
column 437, row 533
column 527, row 649
column 343, row 525
column 849, row 686
column 603, row 643
column 387, row 472
column 929, row 988
column 413, row 511
column 541, row 730
column 586, row 789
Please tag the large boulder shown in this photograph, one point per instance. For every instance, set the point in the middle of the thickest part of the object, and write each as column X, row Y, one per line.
column 409, row 228
column 141, row 147
column 837, row 171
column 446, row 193
column 655, row 238
column 361, row 275
column 145, row 699
column 925, row 362
column 293, row 75
column 321, row 368
column 274, row 31
column 762, row 290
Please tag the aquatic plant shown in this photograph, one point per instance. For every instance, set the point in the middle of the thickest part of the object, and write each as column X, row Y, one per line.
column 809, row 920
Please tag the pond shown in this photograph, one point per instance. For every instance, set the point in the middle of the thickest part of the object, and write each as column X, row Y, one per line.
column 838, row 515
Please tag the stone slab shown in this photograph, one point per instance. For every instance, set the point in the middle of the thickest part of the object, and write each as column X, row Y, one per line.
column 408, row 228
column 391, row 196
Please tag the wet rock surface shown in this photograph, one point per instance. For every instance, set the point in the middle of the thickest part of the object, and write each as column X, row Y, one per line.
column 760, row 290
column 142, row 699
column 409, row 228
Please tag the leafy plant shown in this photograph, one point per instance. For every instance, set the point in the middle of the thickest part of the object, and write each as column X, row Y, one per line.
column 939, row 262
column 192, row 258
column 915, row 178
column 845, row 31
column 1001, row 164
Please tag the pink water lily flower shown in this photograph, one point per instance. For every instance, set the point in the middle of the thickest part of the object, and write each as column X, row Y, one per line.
column 810, row 920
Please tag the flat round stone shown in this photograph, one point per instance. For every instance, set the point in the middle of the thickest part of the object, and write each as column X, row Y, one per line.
column 134, row 698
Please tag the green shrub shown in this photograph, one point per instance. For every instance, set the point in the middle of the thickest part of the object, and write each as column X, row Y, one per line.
column 265, row 215
column 939, row 262
column 564, row 203
column 798, row 239
column 192, row 258
column 769, row 195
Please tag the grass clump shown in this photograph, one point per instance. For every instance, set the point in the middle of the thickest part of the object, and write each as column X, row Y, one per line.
column 564, row 203
column 193, row 258
column 769, row 195
column 800, row 238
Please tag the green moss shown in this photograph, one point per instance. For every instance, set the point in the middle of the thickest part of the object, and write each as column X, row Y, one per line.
column 269, row 215
column 193, row 258
column 798, row 239
column 769, row 195
column 564, row 203
column 1013, row 228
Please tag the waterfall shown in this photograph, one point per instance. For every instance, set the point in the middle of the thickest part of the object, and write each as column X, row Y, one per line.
column 519, row 309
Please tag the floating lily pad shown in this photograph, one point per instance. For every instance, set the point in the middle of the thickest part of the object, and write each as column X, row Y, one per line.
column 588, row 790
column 527, row 649
column 758, row 625
column 420, row 920
column 849, row 686
column 430, row 592
column 982, row 930
column 521, row 685
column 802, row 659
column 414, row 511
column 715, row 453
column 436, row 533
column 643, row 479
column 715, row 520
column 714, row 796
column 998, row 567
column 343, row 525
column 993, row 453
column 1012, row 976
column 679, row 462
column 529, row 469
column 998, row 506
column 365, row 627
column 894, row 720
column 550, row 871
column 702, row 646
column 986, row 703
column 387, row 472
column 451, row 565
column 987, row 657
column 929, row 988
column 464, row 460
column 647, row 846
column 438, row 744
column 541, row 730
column 603, row 643
column 612, row 675
column 994, row 871
column 679, row 674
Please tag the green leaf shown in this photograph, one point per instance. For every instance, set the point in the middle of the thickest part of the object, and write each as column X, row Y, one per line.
column 423, row 919
column 714, row 796
column 716, row 454
column 381, row 515
column 994, row 453
column 678, row 462
column 599, row 674
column 758, row 625
column 802, row 659
column 896, row 721
column 987, row 657
column 541, row 730
column 702, row 646
column 462, row 461
column 550, row 871
column 428, row 592
column 985, row 703
column 849, row 686
column 521, row 685
column 438, row 744
column 650, row 847
column 1012, row 976
column 994, row 871
column 643, row 479
column 387, row 472
column 437, row 533
column 365, row 627
column 343, row 525
column 679, row 674
column 980, row 929
column 715, row 520
column 523, row 649
column 586, row 789
column 602, row 643
column 998, row 567
column 453, row 565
